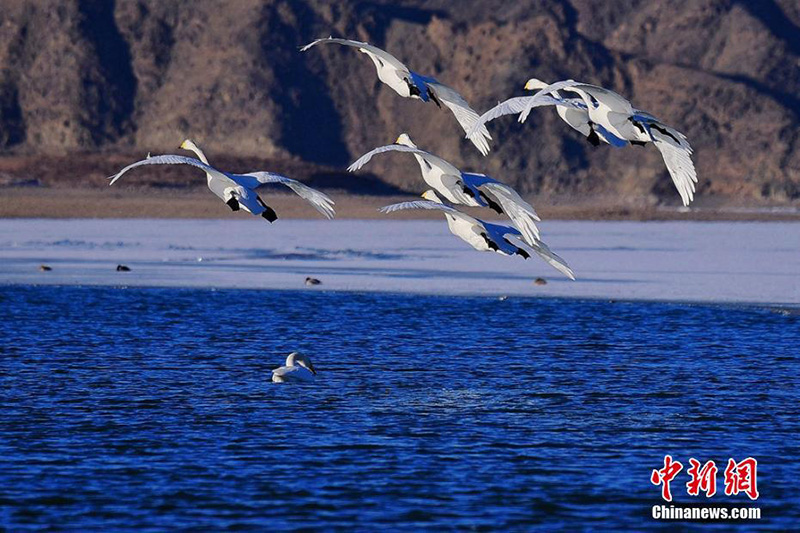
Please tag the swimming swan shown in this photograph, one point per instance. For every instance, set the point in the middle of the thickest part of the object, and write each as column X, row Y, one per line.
column 298, row 368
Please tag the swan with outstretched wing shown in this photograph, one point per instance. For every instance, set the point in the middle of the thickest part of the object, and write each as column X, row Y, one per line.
column 410, row 84
column 464, row 188
column 238, row 191
column 485, row 236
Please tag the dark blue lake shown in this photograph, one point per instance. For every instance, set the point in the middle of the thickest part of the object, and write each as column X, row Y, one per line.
column 152, row 409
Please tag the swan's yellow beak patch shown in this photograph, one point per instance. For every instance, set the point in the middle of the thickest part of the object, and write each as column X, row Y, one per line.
column 529, row 85
column 397, row 141
column 183, row 145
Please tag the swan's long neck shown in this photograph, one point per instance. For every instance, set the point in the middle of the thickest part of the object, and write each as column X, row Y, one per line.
column 431, row 196
column 410, row 143
column 583, row 95
column 423, row 165
column 290, row 359
column 196, row 149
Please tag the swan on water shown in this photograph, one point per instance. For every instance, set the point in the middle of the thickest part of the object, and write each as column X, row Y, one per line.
column 409, row 84
column 237, row 190
column 484, row 236
column 464, row 188
column 298, row 368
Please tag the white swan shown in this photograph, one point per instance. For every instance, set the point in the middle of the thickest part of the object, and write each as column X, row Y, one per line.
column 409, row 84
column 298, row 368
column 571, row 110
column 615, row 115
column 464, row 188
column 484, row 236
column 237, row 190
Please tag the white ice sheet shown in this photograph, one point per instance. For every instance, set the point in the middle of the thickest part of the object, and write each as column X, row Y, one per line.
column 684, row 261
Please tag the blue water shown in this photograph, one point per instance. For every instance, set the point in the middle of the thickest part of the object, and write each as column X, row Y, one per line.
column 151, row 409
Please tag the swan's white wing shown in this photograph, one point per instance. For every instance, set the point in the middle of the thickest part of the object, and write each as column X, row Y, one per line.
column 320, row 201
column 512, row 106
column 427, row 204
column 545, row 97
column 677, row 154
column 364, row 159
column 557, row 86
column 465, row 115
column 163, row 160
column 520, row 104
column 544, row 93
column 284, row 370
column 291, row 373
column 549, row 257
column 615, row 102
column 366, row 47
column 518, row 210
column 552, row 259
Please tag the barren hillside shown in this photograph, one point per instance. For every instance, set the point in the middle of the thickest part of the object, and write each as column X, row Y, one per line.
column 138, row 76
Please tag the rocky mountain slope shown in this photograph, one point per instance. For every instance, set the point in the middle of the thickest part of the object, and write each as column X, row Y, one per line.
column 135, row 76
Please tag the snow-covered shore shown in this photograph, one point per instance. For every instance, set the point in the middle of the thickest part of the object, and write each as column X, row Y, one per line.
column 679, row 261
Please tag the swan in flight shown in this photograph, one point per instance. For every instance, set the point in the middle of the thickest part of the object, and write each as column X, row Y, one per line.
column 409, row 84
column 484, row 236
column 614, row 120
column 237, row 190
column 464, row 188
column 571, row 110
column 298, row 368
column 617, row 115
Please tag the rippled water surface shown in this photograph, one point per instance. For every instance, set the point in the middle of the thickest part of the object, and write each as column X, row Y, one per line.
column 152, row 409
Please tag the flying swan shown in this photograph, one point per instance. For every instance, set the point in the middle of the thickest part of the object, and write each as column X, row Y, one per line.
column 409, row 84
column 464, row 188
column 484, row 236
column 571, row 110
column 237, row 190
column 610, row 118
column 298, row 368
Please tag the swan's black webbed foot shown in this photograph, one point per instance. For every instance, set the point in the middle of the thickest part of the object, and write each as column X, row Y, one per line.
column 432, row 96
column 233, row 203
column 269, row 214
column 494, row 206
column 489, row 242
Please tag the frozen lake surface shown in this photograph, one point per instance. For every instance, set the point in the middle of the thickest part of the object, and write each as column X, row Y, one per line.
column 670, row 261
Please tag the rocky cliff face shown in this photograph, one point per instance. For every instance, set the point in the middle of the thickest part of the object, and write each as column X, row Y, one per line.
column 81, row 75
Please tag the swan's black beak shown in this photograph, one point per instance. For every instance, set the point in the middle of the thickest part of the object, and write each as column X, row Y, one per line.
column 311, row 367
